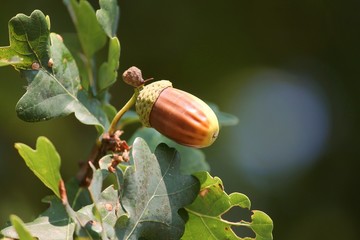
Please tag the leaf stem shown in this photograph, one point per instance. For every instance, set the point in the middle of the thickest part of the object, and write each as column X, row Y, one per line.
column 118, row 116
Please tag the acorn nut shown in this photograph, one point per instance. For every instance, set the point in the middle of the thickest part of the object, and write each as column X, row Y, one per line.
column 176, row 114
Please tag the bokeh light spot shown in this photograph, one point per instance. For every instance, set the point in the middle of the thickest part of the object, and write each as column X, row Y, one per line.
column 284, row 124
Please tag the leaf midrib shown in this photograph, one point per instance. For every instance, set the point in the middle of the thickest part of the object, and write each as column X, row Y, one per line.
column 65, row 91
column 152, row 196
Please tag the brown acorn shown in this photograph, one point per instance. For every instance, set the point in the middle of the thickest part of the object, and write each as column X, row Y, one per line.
column 176, row 114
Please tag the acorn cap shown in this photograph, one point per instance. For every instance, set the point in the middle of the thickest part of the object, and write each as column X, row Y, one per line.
column 147, row 97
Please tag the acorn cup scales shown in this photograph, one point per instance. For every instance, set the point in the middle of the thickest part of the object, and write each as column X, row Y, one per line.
column 177, row 114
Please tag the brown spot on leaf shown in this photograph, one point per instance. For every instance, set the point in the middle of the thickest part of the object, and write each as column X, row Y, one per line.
column 204, row 192
column 50, row 63
column 108, row 207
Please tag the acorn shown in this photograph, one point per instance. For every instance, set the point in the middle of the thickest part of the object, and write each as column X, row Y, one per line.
column 176, row 114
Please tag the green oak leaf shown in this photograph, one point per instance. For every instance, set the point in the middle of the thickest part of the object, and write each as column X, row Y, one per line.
column 192, row 159
column 44, row 161
column 10, row 59
column 262, row 225
column 91, row 35
column 103, row 209
column 118, row 179
column 96, row 184
column 108, row 70
column 52, row 94
column 29, row 41
column 108, row 205
column 53, row 224
column 108, row 16
column 54, row 81
column 102, row 213
column 211, row 203
column 101, row 109
column 20, row 228
column 77, row 196
column 97, row 217
column 109, row 110
column 153, row 192
column 71, row 41
column 95, row 107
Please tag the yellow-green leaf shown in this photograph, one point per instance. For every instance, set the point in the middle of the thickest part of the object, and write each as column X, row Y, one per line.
column 108, row 70
column 20, row 228
column 44, row 161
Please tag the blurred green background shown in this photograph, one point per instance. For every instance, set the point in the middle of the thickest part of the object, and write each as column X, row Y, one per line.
column 289, row 70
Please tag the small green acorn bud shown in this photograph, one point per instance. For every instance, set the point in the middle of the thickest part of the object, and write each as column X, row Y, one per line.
column 176, row 114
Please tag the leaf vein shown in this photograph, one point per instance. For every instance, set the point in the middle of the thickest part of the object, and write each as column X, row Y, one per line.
column 152, row 196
